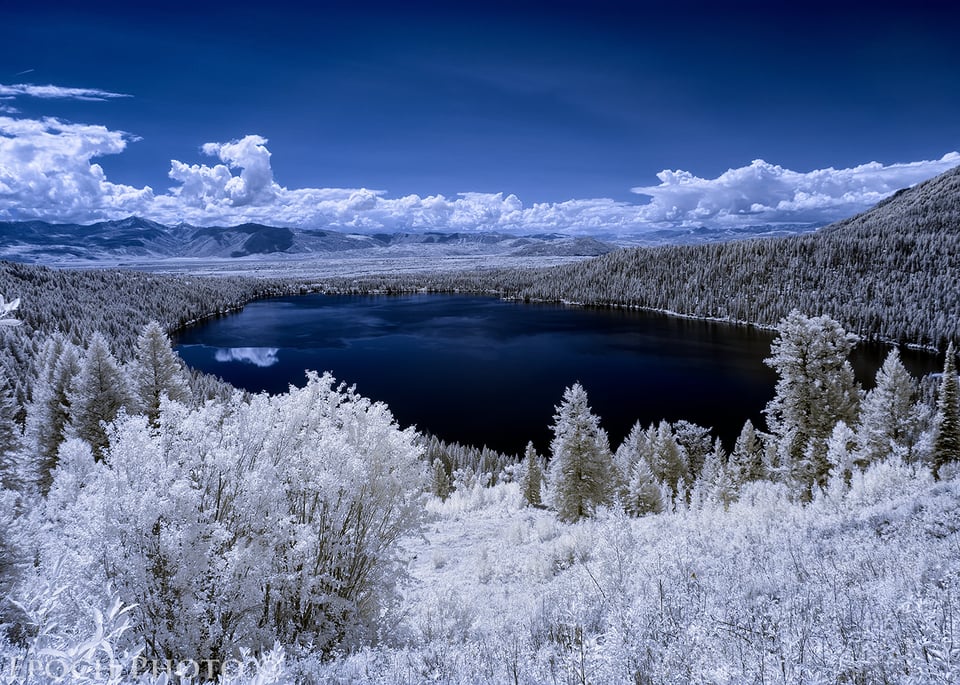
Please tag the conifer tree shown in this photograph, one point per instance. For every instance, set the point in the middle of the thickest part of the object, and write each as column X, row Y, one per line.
column 156, row 371
column 532, row 477
column 696, row 443
column 581, row 465
column 637, row 446
column 816, row 388
column 946, row 444
column 440, row 484
column 10, row 468
column 644, row 494
column 746, row 460
column 48, row 415
column 97, row 394
column 888, row 417
column 841, row 451
column 669, row 462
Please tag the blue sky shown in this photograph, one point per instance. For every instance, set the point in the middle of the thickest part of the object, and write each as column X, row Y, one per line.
column 517, row 104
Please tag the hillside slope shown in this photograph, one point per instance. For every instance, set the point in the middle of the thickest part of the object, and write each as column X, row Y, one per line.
column 888, row 273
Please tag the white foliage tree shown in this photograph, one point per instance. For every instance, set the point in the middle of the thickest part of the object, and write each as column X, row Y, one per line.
column 816, row 388
column 532, row 477
column 842, row 450
column 746, row 459
column 889, row 422
column 669, row 462
column 97, row 394
column 581, row 465
column 156, row 372
column 48, row 414
column 241, row 523
column 644, row 494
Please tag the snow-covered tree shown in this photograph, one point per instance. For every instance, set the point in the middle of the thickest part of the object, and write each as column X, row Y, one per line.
column 946, row 444
column 581, row 465
column 746, row 459
column 816, row 388
column 156, row 371
column 97, row 394
column 888, row 416
column 532, row 477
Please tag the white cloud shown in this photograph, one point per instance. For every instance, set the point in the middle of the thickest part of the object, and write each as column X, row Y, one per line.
column 766, row 193
column 48, row 171
column 258, row 356
column 51, row 92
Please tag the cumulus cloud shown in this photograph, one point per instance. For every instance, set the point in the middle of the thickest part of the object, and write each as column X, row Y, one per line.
column 764, row 193
column 48, row 171
column 50, row 92
column 258, row 356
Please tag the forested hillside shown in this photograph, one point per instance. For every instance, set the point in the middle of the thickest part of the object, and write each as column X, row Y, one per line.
column 889, row 273
column 116, row 303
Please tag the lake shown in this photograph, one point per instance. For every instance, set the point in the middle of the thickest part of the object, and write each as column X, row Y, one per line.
column 479, row 370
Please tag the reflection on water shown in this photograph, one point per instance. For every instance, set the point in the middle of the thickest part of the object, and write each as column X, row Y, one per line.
column 258, row 356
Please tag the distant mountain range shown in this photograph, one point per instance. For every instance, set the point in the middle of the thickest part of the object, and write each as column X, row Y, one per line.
column 137, row 239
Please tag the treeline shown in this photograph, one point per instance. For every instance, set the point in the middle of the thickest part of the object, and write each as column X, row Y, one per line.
column 888, row 274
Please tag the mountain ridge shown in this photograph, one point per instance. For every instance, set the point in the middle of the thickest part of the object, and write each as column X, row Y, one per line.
column 139, row 238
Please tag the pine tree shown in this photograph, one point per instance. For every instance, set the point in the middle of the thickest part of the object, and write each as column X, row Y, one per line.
column 440, row 479
column 48, row 415
column 669, row 462
column 532, row 477
column 97, row 394
column 816, row 389
column 581, row 466
column 11, row 473
column 644, row 494
column 637, row 446
column 746, row 460
column 888, row 416
column 946, row 444
column 156, row 371
column 841, row 451
column 696, row 443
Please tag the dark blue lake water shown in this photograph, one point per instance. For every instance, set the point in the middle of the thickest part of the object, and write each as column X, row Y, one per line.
column 482, row 371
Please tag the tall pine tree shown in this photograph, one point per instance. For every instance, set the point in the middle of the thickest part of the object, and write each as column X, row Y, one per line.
column 946, row 444
column 97, row 394
column 816, row 388
column 532, row 477
column 746, row 460
column 581, row 465
column 888, row 417
column 48, row 415
column 156, row 371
